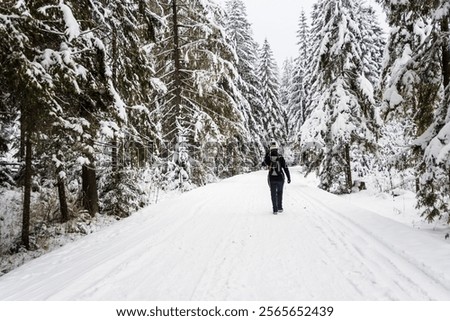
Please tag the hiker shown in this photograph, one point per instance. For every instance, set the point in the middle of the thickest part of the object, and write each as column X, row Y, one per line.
column 277, row 171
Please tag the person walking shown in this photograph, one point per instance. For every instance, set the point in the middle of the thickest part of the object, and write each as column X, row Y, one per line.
column 276, row 176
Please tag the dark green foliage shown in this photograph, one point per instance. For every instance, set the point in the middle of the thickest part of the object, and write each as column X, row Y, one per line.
column 415, row 87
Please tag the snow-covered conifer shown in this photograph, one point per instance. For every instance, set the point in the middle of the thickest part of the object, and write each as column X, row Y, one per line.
column 273, row 116
column 415, row 87
column 240, row 36
column 27, row 85
column 434, row 168
column 286, row 85
column 197, row 65
column 128, row 128
column 300, row 83
column 343, row 114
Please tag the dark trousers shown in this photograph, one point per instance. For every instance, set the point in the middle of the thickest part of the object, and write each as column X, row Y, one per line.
column 276, row 192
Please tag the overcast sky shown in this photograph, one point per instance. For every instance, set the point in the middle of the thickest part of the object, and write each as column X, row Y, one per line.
column 277, row 20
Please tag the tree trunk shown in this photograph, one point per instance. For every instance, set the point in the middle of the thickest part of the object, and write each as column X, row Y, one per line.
column 62, row 199
column 22, row 137
column 114, row 155
column 180, row 117
column 348, row 168
column 27, row 193
column 446, row 62
column 445, row 52
column 176, row 55
column 89, row 193
column 89, row 186
column 177, row 65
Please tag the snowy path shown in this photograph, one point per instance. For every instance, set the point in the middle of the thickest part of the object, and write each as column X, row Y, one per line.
column 221, row 242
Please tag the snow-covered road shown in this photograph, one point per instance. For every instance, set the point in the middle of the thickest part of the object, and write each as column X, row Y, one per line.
column 221, row 242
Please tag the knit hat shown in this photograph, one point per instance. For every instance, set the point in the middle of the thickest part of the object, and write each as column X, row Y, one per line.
column 273, row 145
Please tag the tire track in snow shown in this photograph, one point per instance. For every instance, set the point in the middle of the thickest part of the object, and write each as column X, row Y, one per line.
column 384, row 258
column 357, row 267
column 328, row 240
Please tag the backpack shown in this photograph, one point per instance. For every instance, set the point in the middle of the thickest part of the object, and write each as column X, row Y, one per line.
column 275, row 166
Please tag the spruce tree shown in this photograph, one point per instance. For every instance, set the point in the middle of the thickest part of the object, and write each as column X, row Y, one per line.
column 286, row 85
column 195, row 63
column 273, row 116
column 415, row 88
column 343, row 118
column 127, row 127
column 434, row 167
column 299, row 90
column 240, row 35
column 26, row 88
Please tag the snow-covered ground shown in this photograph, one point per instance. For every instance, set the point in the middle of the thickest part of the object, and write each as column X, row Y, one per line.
column 221, row 242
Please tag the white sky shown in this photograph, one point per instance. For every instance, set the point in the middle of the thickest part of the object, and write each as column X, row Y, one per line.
column 277, row 20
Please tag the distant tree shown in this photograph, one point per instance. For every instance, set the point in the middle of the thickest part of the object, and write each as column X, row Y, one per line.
column 300, row 83
column 273, row 115
column 286, row 83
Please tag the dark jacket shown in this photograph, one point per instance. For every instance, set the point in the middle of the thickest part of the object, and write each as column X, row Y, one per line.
column 284, row 169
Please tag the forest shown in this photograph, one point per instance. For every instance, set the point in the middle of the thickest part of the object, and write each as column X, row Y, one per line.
column 105, row 104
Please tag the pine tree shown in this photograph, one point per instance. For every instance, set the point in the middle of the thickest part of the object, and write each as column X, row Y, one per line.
column 299, row 91
column 127, row 127
column 74, row 86
column 195, row 64
column 415, row 86
column 26, row 89
column 404, row 86
column 240, row 36
column 286, row 85
column 373, row 44
column 344, row 116
column 434, row 168
column 7, row 124
column 273, row 116
column 66, row 60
